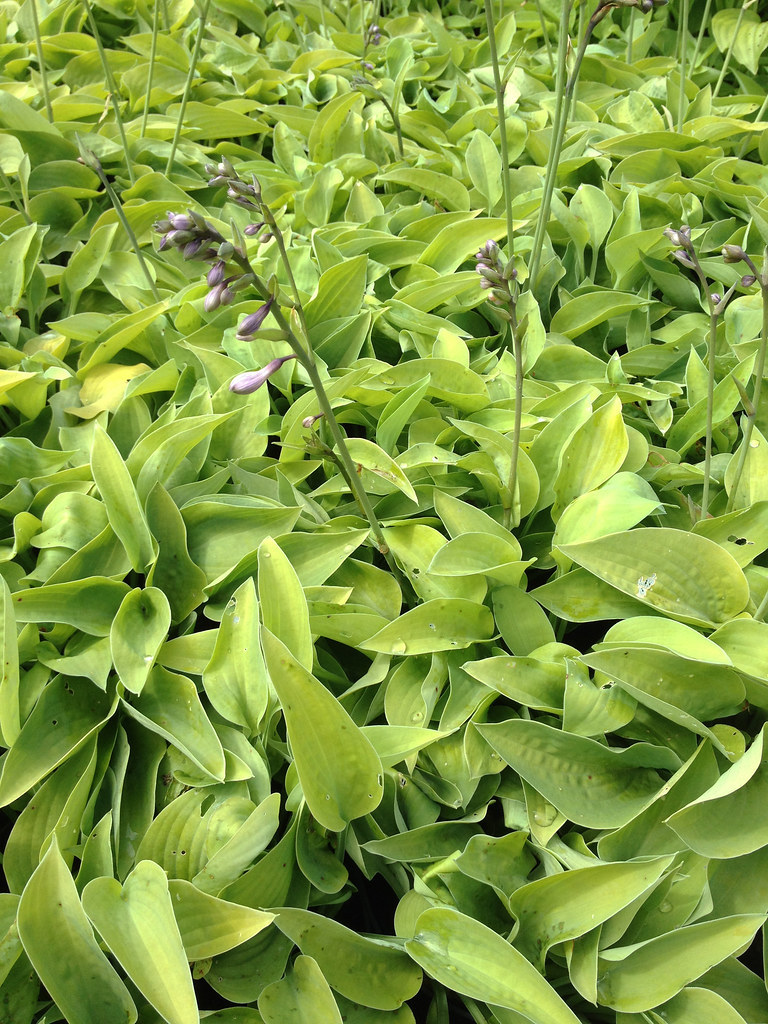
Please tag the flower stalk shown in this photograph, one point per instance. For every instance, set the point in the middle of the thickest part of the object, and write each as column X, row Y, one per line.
column 198, row 239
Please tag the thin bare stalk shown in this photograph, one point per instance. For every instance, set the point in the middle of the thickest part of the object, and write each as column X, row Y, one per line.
column 554, row 149
column 700, row 36
column 682, row 52
column 547, row 44
column 188, row 84
column 304, row 355
column 758, row 118
column 18, row 203
column 151, row 73
column 91, row 160
column 503, row 144
column 41, row 61
column 759, row 371
column 112, row 86
column 630, row 34
column 729, row 52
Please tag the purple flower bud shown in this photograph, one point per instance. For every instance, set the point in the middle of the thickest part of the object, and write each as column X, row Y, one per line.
column 253, row 321
column 216, row 273
column 748, row 280
column 682, row 257
column 252, row 380
column 717, row 298
column 181, row 221
column 227, row 295
column 367, row 65
column 253, row 229
column 485, row 283
column 310, row 421
column 192, row 248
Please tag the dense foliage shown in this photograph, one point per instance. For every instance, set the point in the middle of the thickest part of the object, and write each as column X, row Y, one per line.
column 422, row 674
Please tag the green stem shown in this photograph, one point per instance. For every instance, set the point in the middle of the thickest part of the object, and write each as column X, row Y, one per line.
column 305, row 357
column 711, row 346
column 188, row 85
column 554, row 149
column 41, row 61
column 503, row 144
column 18, row 203
column 758, row 118
column 118, row 207
column 683, row 47
column 700, row 36
column 151, row 74
column 547, row 44
column 112, row 86
column 727, row 59
column 759, row 371
column 630, row 34
column 761, row 608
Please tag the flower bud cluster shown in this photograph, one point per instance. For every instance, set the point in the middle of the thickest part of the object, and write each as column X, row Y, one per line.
column 372, row 35
column 495, row 275
column 188, row 232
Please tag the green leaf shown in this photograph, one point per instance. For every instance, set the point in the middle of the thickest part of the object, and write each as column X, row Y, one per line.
column 57, row 809
column 371, row 457
column 588, row 310
column 235, row 678
column 302, row 996
column 449, row 192
column 725, row 820
column 590, row 783
column 68, row 712
column 669, row 571
column 169, row 705
column 438, row 625
column 594, row 453
column 484, row 167
column 634, row 979
column 176, row 574
column 339, row 292
column 138, row 631
column 369, row 972
column 10, row 723
column 62, row 948
column 126, row 516
column 209, row 926
column 89, row 605
column 467, row 957
column 136, row 922
column 563, row 906
column 288, row 617
column 340, row 772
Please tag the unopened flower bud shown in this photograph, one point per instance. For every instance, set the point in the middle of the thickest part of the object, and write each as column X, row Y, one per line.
column 253, row 321
column 748, row 280
column 227, row 296
column 216, row 273
column 682, row 257
column 310, row 421
column 181, row 221
column 733, row 253
column 213, row 298
column 226, row 250
column 253, row 229
column 225, row 167
column 247, row 383
column 717, row 298
column 192, row 248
